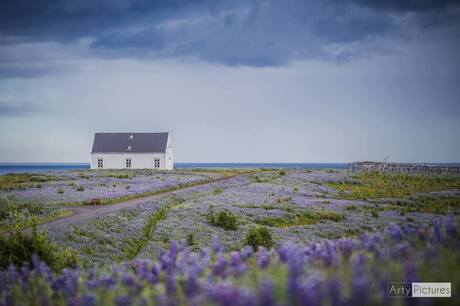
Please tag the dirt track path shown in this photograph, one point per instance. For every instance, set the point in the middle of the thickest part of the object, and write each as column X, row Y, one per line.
column 80, row 213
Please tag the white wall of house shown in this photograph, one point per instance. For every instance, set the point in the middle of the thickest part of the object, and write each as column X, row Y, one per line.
column 138, row 160
column 169, row 162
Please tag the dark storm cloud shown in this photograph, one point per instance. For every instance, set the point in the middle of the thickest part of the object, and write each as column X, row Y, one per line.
column 408, row 5
column 253, row 33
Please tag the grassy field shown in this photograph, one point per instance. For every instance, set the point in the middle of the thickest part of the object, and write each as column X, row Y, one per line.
column 376, row 185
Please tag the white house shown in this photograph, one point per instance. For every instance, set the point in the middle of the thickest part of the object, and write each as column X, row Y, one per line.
column 132, row 151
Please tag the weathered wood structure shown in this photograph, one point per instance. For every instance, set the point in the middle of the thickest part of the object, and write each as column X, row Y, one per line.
column 409, row 168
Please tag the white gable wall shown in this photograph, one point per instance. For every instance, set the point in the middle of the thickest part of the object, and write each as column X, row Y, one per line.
column 138, row 160
column 169, row 163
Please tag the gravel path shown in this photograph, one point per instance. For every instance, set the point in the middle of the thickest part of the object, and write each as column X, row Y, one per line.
column 80, row 213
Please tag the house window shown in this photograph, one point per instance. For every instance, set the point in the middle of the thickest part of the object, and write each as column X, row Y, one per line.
column 100, row 163
column 128, row 163
column 157, row 162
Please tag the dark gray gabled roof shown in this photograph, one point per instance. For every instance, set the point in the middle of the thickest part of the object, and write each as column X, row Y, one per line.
column 124, row 143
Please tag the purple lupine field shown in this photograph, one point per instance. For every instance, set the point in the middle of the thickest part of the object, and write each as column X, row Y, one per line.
column 258, row 237
column 79, row 185
column 347, row 271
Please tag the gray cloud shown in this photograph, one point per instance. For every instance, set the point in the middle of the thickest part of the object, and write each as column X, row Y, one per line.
column 237, row 32
column 10, row 107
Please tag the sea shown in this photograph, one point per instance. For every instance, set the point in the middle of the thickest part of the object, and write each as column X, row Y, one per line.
column 41, row 167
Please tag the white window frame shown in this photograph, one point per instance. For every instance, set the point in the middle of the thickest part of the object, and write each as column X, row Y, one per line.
column 128, row 162
column 100, row 163
column 156, row 163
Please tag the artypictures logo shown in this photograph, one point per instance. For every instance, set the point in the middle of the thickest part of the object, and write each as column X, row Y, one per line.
column 409, row 289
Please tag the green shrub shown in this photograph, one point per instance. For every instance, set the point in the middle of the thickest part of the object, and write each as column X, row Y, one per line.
column 60, row 191
column 19, row 247
column 190, row 240
column 374, row 214
column 259, row 236
column 80, row 188
column 224, row 219
column 282, row 172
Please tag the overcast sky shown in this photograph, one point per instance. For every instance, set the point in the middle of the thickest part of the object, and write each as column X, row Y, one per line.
column 233, row 81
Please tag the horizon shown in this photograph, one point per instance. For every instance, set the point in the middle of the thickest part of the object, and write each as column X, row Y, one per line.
column 231, row 163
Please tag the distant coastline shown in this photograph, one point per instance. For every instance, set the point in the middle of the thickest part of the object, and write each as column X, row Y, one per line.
column 34, row 167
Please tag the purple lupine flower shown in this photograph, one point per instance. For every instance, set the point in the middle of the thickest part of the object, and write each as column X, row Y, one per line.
column 224, row 294
column 205, row 256
column 309, row 292
column 246, row 252
column 216, row 245
column 235, row 258
column 170, row 283
column 359, row 284
column 395, row 232
column 334, row 291
column 410, row 272
column 218, row 269
column 130, row 282
column 192, row 284
column 347, row 246
column 25, row 276
column 266, row 296
column 263, row 258
column 174, row 248
column 437, row 231
column 88, row 300
column 328, row 253
column 123, row 300
column 451, row 228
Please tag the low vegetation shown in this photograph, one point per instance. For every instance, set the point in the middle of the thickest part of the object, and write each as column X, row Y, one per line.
column 13, row 181
column 136, row 245
column 300, row 218
column 259, row 236
column 224, row 219
column 373, row 185
column 19, row 247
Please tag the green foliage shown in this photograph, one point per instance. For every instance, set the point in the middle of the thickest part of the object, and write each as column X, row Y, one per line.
column 428, row 204
column 301, row 218
column 282, row 172
column 60, row 191
column 19, row 247
column 190, row 240
column 217, row 191
column 372, row 185
column 374, row 214
column 119, row 176
column 224, row 219
column 10, row 207
column 259, row 236
column 80, row 188
column 12, row 181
